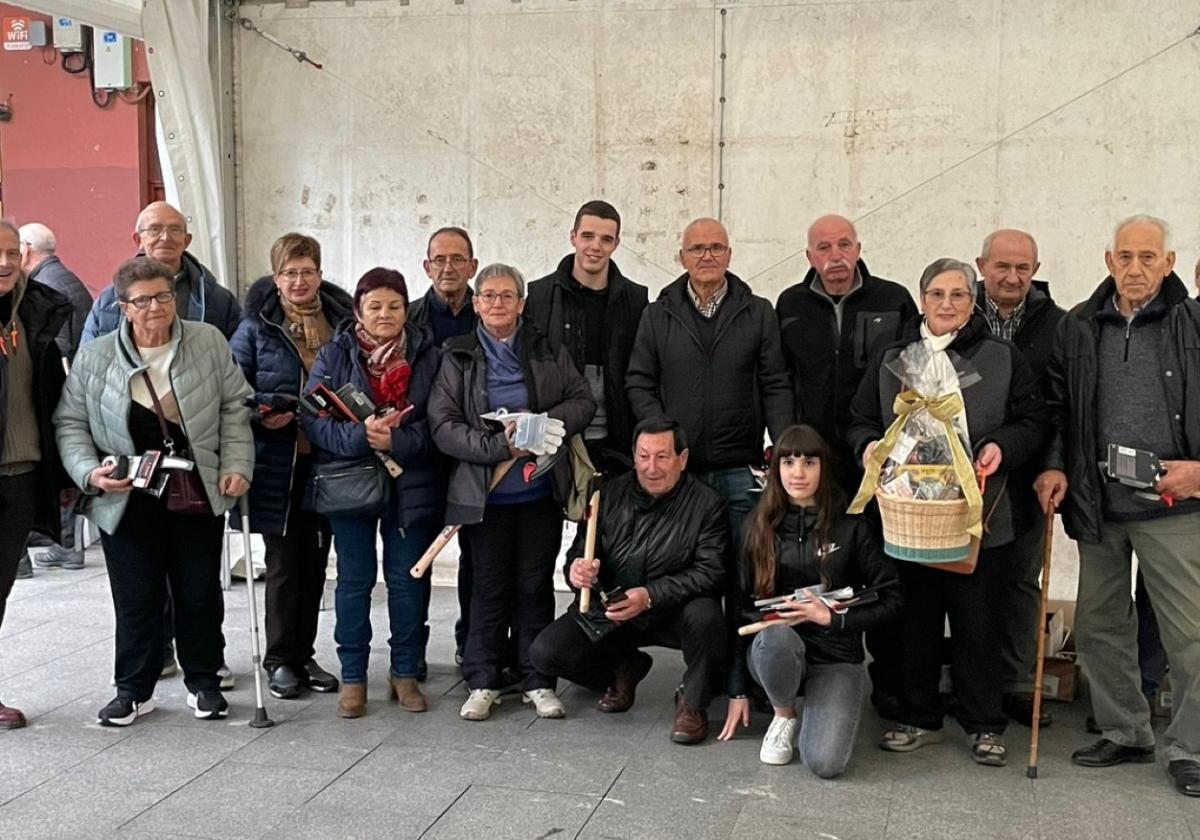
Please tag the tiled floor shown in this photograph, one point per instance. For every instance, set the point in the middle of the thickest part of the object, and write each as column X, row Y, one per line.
column 397, row 775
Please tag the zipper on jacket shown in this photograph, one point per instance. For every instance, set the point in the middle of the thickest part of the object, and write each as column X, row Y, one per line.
column 1128, row 329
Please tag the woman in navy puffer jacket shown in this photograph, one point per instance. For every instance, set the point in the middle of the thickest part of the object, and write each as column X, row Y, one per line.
column 394, row 363
column 287, row 318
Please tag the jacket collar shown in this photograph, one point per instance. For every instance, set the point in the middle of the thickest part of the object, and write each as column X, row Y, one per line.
column 863, row 279
column 675, row 294
column 617, row 282
column 262, row 300
column 1172, row 292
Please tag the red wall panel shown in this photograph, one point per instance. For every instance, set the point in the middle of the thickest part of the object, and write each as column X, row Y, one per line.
column 66, row 162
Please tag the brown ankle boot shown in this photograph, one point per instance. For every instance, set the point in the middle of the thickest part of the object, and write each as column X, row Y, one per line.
column 352, row 700
column 406, row 690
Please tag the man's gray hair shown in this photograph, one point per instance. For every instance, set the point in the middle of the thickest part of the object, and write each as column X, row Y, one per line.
column 944, row 264
column 38, row 237
column 1143, row 219
column 986, row 251
column 500, row 270
column 5, row 224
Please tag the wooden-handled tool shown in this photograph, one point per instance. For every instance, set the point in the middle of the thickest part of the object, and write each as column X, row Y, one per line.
column 758, row 626
column 446, row 534
column 1047, row 549
column 589, row 550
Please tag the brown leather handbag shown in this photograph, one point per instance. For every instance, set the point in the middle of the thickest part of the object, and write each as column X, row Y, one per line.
column 184, row 492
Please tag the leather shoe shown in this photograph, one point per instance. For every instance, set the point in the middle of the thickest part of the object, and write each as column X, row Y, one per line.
column 352, row 700
column 1019, row 706
column 283, row 682
column 619, row 696
column 691, row 725
column 317, row 678
column 1105, row 753
column 1186, row 774
column 11, row 718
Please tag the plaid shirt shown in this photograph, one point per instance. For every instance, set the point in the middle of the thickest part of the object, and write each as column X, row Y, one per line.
column 708, row 310
column 1000, row 326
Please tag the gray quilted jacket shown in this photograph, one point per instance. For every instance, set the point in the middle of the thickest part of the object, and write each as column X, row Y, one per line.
column 92, row 419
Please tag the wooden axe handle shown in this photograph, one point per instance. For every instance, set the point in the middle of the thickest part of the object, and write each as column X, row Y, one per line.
column 751, row 629
column 589, row 551
column 446, row 534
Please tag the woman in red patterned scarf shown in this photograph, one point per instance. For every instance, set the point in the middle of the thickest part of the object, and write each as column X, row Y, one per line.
column 394, row 364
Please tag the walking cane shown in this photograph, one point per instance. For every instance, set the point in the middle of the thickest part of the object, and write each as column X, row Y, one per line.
column 589, row 550
column 1035, row 724
column 260, row 721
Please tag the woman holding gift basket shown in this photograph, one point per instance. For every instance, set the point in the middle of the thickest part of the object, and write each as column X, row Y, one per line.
column 940, row 420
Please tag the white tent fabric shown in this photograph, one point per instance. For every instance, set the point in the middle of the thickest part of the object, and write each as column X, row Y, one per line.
column 176, row 37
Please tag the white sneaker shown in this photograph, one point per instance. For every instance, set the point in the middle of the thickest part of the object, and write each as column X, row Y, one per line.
column 777, row 743
column 546, row 702
column 479, row 704
column 225, row 675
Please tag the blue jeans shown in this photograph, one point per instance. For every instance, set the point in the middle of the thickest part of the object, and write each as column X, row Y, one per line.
column 408, row 597
column 734, row 486
column 833, row 695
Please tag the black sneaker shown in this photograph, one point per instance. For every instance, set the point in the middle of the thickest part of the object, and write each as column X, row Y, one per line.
column 317, row 678
column 121, row 711
column 209, row 704
column 283, row 682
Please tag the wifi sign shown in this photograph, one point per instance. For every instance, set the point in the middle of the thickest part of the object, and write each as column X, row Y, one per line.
column 16, row 33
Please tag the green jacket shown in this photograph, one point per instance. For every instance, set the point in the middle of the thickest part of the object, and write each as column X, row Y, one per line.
column 92, row 419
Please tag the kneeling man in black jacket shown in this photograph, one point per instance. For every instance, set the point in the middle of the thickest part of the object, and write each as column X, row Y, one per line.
column 658, row 579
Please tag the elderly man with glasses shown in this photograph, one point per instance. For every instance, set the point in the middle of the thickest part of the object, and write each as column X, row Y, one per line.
column 161, row 233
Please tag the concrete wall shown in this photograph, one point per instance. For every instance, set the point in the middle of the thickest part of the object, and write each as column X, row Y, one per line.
column 930, row 121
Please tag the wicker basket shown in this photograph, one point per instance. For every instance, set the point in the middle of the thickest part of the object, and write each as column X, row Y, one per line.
column 924, row 531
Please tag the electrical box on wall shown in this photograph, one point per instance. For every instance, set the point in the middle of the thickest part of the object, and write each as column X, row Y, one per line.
column 112, row 59
column 68, row 34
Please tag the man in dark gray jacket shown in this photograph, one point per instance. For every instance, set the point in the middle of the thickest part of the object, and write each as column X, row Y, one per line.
column 41, row 264
column 1126, row 371
column 708, row 353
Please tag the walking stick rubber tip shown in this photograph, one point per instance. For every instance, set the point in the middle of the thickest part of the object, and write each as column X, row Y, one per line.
column 261, row 721
column 1031, row 773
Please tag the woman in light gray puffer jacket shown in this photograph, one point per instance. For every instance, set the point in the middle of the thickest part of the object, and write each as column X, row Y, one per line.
column 157, row 370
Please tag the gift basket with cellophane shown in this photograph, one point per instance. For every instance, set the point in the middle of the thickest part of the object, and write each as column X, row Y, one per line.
column 920, row 473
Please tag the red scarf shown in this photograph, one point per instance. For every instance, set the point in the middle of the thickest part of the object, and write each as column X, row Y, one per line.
column 388, row 371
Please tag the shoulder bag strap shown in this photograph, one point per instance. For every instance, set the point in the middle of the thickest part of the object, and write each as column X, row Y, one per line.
column 162, row 420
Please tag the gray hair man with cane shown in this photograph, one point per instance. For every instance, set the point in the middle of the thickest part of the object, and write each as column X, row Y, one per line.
column 1124, row 382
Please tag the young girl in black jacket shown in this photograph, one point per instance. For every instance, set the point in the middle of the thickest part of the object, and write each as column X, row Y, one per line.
column 799, row 536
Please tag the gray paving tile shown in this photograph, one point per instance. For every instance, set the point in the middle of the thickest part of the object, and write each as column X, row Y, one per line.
column 527, row 814
column 233, row 801
column 313, row 744
column 30, row 765
column 349, row 823
column 1125, row 801
column 815, row 821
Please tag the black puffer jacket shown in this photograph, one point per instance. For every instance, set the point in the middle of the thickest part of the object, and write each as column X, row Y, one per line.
column 1004, row 407
column 858, row 562
column 826, row 365
column 460, row 395
column 43, row 312
column 271, row 363
column 722, row 397
column 1071, row 396
column 554, row 308
column 673, row 545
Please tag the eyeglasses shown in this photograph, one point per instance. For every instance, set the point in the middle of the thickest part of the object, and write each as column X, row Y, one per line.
column 456, row 261
column 155, row 231
column 697, row 251
column 294, row 274
column 957, row 297
column 490, row 298
column 144, row 301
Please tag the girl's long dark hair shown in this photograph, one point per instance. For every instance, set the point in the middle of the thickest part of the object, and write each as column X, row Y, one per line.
column 761, row 551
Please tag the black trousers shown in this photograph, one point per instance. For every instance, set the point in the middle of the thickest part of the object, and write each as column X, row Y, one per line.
column 18, row 503
column 696, row 627
column 151, row 548
column 296, row 564
column 974, row 603
column 512, row 562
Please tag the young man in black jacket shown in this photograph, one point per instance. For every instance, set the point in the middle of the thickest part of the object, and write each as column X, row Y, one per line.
column 661, row 543
column 1019, row 309
column 589, row 307
column 1126, row 371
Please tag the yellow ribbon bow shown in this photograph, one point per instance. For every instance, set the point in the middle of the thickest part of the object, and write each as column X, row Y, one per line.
column 942, row 409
